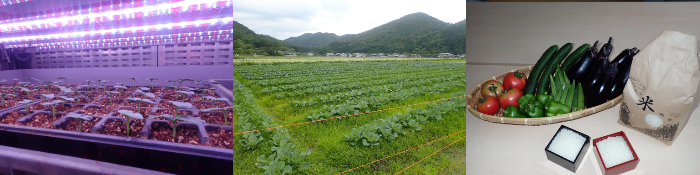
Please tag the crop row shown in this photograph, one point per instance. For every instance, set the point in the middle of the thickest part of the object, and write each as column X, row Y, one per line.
column 343, row 87
column 282, row 158
column 390, row 128
column 344, row 96
column 332, row 81
column 371, row 102
column 358, row 76
column 258, row 72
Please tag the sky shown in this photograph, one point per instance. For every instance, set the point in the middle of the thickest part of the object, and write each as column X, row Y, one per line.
column 287, row 18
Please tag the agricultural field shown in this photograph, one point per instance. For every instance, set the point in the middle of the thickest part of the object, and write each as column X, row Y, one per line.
column 328, row 117
column 277, row 59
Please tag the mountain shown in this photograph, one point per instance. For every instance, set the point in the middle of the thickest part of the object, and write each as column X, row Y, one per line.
column 313, row 40
column 413, row 33
column 247, row 41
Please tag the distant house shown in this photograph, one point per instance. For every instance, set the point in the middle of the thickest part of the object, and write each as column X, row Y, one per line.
column 415, row 56
column 445, row 55
column 330, row 54
column 402, row 56
column 310, row 54
column 394, row 55
column 360, row 55
column 290, row 54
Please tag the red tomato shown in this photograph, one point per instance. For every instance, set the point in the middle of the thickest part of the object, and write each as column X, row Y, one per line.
column 488, row 105
column 510, row 98
column 514, row 80
column 492, row 88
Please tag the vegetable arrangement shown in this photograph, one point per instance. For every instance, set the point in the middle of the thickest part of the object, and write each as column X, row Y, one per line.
column 560, row 82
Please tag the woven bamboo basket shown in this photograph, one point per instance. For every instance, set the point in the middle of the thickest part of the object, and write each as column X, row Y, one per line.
column 475, row 94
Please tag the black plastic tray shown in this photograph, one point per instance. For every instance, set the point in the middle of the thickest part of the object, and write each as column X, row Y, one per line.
column 138, row 152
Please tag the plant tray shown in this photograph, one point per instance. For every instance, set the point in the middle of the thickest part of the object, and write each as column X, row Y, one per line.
column 475, row 94
column 142, row 151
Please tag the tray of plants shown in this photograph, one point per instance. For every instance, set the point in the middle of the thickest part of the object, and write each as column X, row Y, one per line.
column 556, row 89
column 69, row 119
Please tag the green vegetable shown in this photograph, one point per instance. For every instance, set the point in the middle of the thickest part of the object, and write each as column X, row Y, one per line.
column 544, row 98
column 574, row 57
column 570, row 94
column 553, row 65
column 534, row 76
column 555, row 108
column 580, row 97
column 534, row 109
column 531, row 106
column 513, row 112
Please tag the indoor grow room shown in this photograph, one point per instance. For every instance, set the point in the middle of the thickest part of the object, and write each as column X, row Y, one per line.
column 116, row 86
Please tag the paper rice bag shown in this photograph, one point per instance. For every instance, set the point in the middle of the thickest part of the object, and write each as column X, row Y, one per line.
column 661, row 87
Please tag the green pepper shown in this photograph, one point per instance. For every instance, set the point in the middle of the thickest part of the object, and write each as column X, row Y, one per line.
column 534, row 109
column 526, row 99
column 555, row 108
column 513, row 112
column 544, row 98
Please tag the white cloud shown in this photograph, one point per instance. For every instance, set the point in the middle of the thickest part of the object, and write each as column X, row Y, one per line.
column 287, row 18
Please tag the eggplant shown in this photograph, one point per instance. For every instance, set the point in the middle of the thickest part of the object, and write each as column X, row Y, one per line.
column 598, row 92
column 624, row 65
column 605, row 50
column 622, row 57
column 580, row 69
column 599, row 66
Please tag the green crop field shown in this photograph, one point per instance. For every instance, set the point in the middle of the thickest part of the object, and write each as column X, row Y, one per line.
column 293, row 92
column 277, row 59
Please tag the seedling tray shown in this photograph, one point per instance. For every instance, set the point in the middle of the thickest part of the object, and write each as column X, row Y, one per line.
column 621, row 168
column 140, row 151
column 566, row 163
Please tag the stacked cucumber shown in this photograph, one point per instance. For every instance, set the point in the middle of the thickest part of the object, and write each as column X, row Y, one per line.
column 547, row 76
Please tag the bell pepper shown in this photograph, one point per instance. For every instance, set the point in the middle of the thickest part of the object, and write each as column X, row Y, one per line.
column 513, row 112
column 555, row 108
column 544, row 98
column 529, row 104
column 534, row 109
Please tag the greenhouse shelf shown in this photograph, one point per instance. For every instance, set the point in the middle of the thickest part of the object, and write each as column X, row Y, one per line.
column 22, row 161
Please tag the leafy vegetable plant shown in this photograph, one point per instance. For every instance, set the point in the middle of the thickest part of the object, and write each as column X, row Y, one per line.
column 222, row 109
column 110, row 96
column 130, row 114
column 2, row 95
column 139, row 100
column 53, row 106
column 188, row 93
column 80, row 118
column 177, row 117
column 26, row 104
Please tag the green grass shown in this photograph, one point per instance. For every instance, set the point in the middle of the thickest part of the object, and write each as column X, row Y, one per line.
column 331, row 154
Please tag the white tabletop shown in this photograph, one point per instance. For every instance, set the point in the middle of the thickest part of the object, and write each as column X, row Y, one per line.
column 494, row 148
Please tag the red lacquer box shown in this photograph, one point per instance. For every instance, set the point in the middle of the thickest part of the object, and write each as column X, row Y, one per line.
column 617, row 169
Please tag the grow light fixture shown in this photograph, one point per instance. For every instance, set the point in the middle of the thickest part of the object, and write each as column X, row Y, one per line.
column 167, row 26
column 192, row 35
column 111, row 15
column 10, row 2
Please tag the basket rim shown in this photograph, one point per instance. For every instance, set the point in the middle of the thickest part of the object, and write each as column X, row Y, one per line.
column 534, row 121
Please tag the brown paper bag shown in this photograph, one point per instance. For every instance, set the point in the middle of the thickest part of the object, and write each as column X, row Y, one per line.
column 661, row 87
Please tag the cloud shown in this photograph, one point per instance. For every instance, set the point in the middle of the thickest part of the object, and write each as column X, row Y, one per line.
column 286, row 18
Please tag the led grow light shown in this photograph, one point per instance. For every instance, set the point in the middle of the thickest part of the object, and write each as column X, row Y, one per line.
column 119, row 30
column 193, row 36
column 109, row 15
column 225, row 37
column 10, row 2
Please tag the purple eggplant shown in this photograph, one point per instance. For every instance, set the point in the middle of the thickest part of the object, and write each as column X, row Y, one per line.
column 580, row 69
column 599, row 66
column 624, row 64
column 598, row 92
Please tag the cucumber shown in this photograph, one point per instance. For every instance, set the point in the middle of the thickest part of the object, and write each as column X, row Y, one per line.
column 534, row 76
column 574, row 57
column 553, row 65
